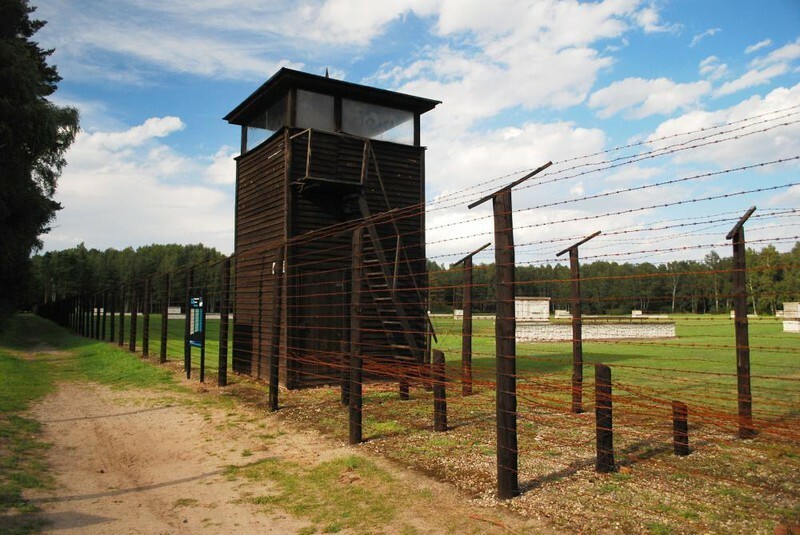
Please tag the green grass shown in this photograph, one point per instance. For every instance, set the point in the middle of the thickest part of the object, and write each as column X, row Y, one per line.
column 34, row 355
column 699, row 364
column 345, row 493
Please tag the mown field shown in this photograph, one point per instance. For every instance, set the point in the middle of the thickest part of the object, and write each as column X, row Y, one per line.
column 726, row 485
column 698, row 365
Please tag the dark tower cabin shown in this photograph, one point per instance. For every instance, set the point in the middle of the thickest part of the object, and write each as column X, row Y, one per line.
column 319, row 158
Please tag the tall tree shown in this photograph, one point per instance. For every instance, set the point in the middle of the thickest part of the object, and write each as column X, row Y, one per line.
column 34, row 135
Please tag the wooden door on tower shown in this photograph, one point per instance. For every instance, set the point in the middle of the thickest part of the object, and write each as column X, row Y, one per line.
column 323, row 319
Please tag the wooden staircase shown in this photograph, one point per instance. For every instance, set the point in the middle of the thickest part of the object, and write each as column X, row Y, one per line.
column 391, row 283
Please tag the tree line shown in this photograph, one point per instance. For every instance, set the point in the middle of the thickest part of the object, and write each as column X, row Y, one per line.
column 60, row 274
column 681, row 286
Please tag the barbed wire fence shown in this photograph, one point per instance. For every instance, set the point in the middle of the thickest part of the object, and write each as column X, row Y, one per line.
column 293, row 317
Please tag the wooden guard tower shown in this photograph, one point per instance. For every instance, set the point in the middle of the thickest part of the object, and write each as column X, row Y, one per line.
column 318, row 157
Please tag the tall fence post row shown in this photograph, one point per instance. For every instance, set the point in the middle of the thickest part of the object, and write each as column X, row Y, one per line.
column 577, row 324
column 505, row 337
column 744, row 395
column 466, row 323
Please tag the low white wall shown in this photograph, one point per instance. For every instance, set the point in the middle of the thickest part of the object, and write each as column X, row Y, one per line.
column 536, row 331
column 532, row 308
column 791, row 326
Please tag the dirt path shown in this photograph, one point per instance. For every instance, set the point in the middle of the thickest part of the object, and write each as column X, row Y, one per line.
column 142, row 462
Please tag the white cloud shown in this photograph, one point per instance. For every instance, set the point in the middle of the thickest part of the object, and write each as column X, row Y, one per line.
column 751, row 78
column 783, row 55
column 500, row 56
column 758, row 46
column 223, row 167
column 129, row 184
column 650, row 21
column 741, row 149
column 712, row 69
column 700, row 36
column 640, row 98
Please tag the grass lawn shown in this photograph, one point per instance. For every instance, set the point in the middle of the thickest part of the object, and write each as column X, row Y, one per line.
column 725, row 485
column 698, row 366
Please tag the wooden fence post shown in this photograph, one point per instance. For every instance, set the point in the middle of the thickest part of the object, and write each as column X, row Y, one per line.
column 744, row 394
column 111, row 316
column 505, row 337
column 466, row 323
column 505, row 348
column 121, row 341
column 146, row 318
column 356, row 372
column 187, row 324
column 164, row 318
column 604, row 419
column 134, row 316
column 103, row 321
column 224, row 306
column 439, row 392
column 577, row 324
column 274, row 350
column 680, row 428
column 96, row 311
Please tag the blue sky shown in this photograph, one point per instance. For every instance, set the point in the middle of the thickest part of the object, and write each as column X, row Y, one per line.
column 522, row 82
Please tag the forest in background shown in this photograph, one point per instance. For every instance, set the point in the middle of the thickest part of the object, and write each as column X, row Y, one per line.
column 682, row 286
column 60, row 274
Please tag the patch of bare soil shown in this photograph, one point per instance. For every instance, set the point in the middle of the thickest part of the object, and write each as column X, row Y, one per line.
column 140, row 462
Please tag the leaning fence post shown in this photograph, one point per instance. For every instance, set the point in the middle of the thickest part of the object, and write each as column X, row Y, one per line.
column 439, row 392
column 222, row 364
column 164, row 318
column 274, row 350
column 466, row 323
column 604, row 419
column 577, row 324
column 146, row 319
column 744, row 395
column 680, row 428
column 505, row 337
column 356, row 373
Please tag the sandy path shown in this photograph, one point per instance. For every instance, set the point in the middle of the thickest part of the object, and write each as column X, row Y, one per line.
column 140, row 462
column 126, row 462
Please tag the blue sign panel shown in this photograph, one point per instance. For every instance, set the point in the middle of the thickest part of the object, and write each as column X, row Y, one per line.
column 198, row 316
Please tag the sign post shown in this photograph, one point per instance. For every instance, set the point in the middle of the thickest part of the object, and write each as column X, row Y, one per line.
column 197, row 331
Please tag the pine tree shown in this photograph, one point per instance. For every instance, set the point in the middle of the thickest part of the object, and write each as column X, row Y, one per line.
column 34, row 136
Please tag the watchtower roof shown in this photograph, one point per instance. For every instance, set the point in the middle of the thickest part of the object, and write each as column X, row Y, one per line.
column 285, row 79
